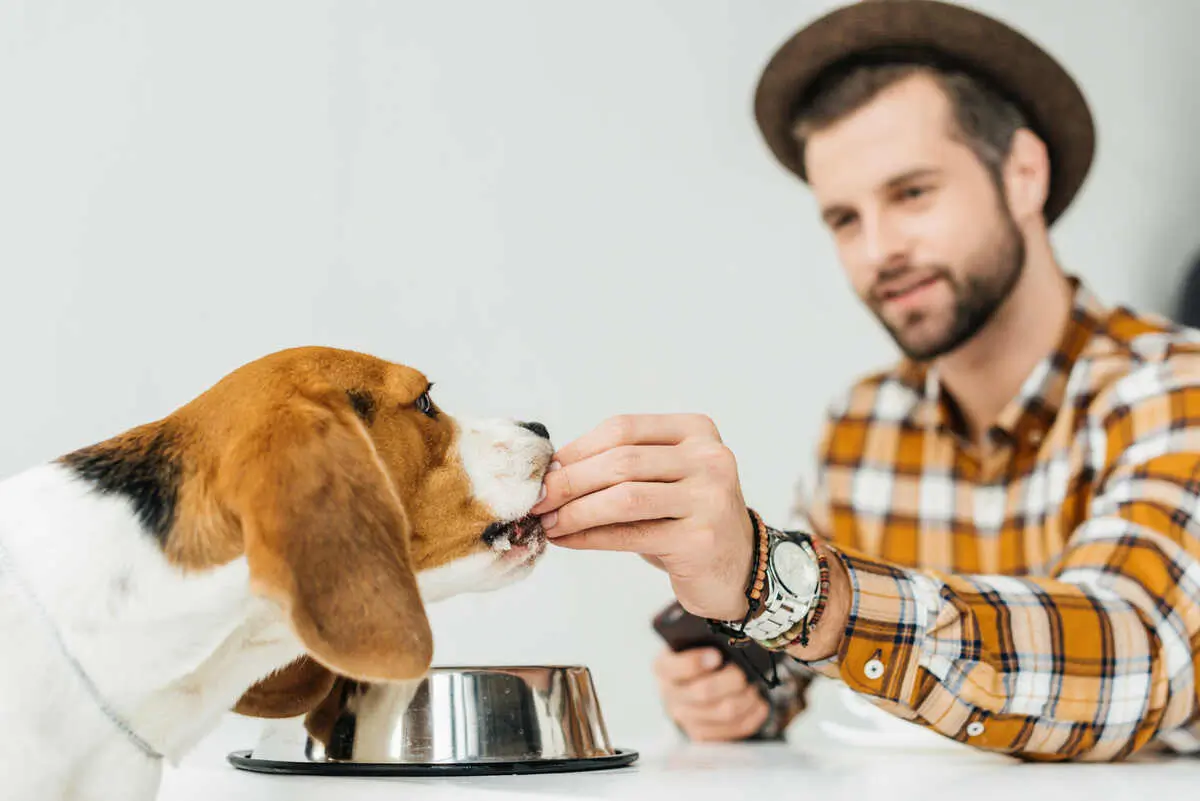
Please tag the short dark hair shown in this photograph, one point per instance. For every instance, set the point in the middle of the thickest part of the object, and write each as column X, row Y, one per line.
column 983, row 118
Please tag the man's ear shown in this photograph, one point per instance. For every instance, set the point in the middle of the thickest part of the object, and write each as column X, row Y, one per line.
column 326, row 536
column 1026, row 176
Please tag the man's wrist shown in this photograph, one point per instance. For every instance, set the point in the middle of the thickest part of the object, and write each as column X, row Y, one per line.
column 751, row 580
column 787, row 591
column 825, row 639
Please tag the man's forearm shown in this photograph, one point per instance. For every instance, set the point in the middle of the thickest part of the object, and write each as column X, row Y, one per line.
column 1047, row 668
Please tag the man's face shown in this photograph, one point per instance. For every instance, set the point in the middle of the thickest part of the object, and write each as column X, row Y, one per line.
column 921, row 228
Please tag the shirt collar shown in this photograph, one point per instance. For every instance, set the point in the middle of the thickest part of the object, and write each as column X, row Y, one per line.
column 1028, row 416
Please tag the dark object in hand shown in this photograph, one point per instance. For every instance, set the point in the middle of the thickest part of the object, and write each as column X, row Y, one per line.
column 683, row 631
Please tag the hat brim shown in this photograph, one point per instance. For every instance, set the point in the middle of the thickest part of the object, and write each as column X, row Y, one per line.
column 1037, row 83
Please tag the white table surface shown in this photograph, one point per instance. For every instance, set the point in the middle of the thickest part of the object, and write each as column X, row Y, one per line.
column 671, row 770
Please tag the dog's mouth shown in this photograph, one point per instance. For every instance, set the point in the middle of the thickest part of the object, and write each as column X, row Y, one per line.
column 519, row 541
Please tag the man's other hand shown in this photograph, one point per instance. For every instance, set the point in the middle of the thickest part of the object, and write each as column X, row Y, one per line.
column 708, row 701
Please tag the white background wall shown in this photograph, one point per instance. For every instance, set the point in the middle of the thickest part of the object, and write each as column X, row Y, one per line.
column 559, row 211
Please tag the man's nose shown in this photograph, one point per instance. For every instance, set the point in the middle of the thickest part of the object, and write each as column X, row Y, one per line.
column 536, row 428
column 883, row 241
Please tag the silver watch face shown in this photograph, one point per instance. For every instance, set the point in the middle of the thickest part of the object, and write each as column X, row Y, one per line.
column 796, row 571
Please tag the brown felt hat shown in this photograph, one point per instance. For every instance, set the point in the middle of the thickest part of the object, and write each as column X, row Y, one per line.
column 947, row 34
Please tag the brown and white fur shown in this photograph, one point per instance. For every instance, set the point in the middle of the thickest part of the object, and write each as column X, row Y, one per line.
column 284, row 528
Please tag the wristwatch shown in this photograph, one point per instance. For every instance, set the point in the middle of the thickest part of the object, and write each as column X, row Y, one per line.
column 790, row 588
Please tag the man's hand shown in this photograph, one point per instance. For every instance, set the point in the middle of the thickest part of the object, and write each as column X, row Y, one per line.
column 709, row 702
column 663, row 486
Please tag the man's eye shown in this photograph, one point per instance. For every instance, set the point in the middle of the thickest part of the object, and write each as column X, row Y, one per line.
column 424, row 405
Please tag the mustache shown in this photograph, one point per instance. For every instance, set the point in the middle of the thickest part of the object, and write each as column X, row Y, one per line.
column 897, row 280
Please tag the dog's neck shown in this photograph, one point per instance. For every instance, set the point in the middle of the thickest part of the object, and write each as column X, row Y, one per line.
column 170, row 651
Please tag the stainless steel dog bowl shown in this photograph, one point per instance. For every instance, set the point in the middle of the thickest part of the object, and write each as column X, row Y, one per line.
column 457, row 721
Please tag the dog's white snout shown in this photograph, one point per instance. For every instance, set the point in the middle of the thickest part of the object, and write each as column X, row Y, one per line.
column 505, row 461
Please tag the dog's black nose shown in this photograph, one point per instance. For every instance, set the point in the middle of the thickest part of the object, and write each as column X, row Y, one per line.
column 493, row 532
column 536, row 428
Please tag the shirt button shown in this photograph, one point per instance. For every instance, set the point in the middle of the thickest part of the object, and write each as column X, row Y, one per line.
column 873, row 669
column 974, row 729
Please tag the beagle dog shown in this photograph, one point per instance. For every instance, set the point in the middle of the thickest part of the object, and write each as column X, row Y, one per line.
column 280, row 532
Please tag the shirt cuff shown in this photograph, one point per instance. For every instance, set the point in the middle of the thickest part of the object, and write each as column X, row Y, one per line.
column 891, row 612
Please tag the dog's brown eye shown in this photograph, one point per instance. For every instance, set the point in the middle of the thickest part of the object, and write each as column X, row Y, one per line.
column 424, row 405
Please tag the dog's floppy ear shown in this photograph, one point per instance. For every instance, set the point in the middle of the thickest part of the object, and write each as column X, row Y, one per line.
column 326, row 536
column 288, row 692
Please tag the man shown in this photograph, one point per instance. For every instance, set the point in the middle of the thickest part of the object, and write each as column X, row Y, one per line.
column 1006, row 517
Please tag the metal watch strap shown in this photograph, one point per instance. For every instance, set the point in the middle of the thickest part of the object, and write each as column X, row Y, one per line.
column 781, row 611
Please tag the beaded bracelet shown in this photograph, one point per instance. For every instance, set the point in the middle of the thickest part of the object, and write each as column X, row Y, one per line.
column 754, row 590
column 758, row 574
column 758, row 578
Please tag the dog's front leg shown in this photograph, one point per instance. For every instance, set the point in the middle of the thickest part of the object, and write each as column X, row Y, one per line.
column 373, row 724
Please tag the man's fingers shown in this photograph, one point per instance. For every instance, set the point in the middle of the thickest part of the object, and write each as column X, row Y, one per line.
column 731, row 709
column 651, row 537
column 707, row 691
column 739, row 729
column 624, row 463
column 709, row 703
column 624, row 504
column 654, row 560
column 642, row 429
column 677, row 667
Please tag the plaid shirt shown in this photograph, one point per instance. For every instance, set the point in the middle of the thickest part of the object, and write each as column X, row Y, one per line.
column 1040, row 598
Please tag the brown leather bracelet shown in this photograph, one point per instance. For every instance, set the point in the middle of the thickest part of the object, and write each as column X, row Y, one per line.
column 758, row 576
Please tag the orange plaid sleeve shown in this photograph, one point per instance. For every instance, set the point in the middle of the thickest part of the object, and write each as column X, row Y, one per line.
column 1089, row 662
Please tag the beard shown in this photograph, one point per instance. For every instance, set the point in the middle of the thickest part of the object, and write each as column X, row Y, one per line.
column 991, row 274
